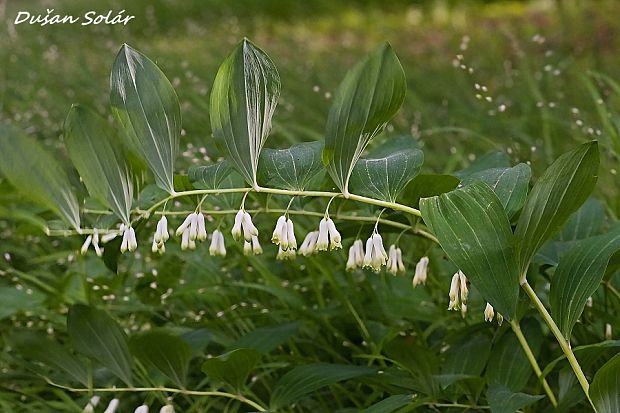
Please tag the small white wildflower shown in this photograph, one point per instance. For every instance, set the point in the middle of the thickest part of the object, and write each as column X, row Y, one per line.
column 489, row 313
column 454, row 292
column 201, row 232
column 161, row 232
column 236, row 229
column 98, row 249
column 247, row 248
column 589, row 302
column 458, row 293
column 185, row 225
column 112, row 406
column 608, row 331
column 500, row 319
column 421, row 269
column 356, row 256
column 256, row 248
column 375, row 257
column 86, row 244
column 167, row 409
column 290, row 231
column 288, row 254
column 217, row 247
column 113, row 234
column 308, row 246
column 335, row 240
column 249, row 230
column 392, row 262
column 92, row 403
column 322, row 242
column 142, row 409
column 399, row 260
column 279, row 233
column 464, row 289
column 159, row 248
column 185, row 239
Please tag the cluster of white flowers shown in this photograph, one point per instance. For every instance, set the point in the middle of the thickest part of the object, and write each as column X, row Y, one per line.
column 94, row 240
column 458, row 293
column 217, row 247
column 252, row 247
column 192, row 230
column 375, row 256
column 329, row 237
column 243, row 225
column 489, row 314
column 161, row 236
column 284, row 237
column 114, row 403
column 421, row 269
column 308, row 247
column 395, row 260
column 356, row 255
column 130, row 243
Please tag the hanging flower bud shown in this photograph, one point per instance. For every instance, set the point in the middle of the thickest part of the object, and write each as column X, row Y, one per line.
column 290, row 233
column 247, row 248
column 161, row 232
column 288, row 254
column 608, row 331
column 589, row 302
column 356, row 256
column 125, row 242
column 463, row 309
column 249, row 230
column 399, row 260
column 142, row 409
column 420, row 272
column 159, row 248
column 132, row 242
column 92, row 403
column 464, row 289
column 167, row 409
column 98, row 249
column 278, row 232
column 375, row 257
column 217, row 246
column 335, row 240
column 323, row 239
column 86, row 244
column 489, row 313
column 236, row 229
column 256, row 248
column 392, row 262
column 201, row 231
column 185, row 225
column 112, row 406
column 500, row 319
column 185, row 239
column 308, row 246
column 113, row 234
column 454, row 292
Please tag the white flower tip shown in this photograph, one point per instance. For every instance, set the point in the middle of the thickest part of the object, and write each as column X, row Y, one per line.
column 142, row 409
column 167, row 409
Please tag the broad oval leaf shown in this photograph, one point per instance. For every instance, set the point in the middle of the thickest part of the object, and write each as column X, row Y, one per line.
column 490, row 160
column 426, row 186
column 605, row 388
column 95, row 334
column 244, row 96
column 559, row 192
column 168, row 353
column 37, row 175
column 579, row 275
column 368, row 97
column 292, row 168
column 147, row 108
column 233, row 367
column 503, row 400
column 303, row 380
column 384, row 178
column 475, row 233
column 209, row 176
column 87, row 138
column 510, row 185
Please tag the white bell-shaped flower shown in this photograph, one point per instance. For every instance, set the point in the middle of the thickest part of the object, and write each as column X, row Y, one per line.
column 308, row 246
column 112, row 406
column 129, row 242
column 161, row 231
column 249, row 230
column 393, row 258
column 454, row 292
column 489, row 313
column 142, row 409
column 217, row 246
column 421, row 269
column 288, row 254
column 167, row 409
column 86, row 244
column 356, row 256
column 329, row 237
column 201, row 231
column 252, row 247
column 98, row 249
column 92, row 403
column 375, row 256
column 236, row 229
column 279, row 232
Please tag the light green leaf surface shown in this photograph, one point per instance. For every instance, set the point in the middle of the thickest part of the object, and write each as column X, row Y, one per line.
column 579, row 275
column 368, row 97
column 147, row 108
column 36, row 174
column 605, row 388
column 95, row 334
column 244, row 96
column 233, row 367
column 267, row 339
column 475, row 233
column 209, row 176
column 88, row 139
column 385, row 177
column 559, row 192
column 502, row 400
column 168, row 353
column 292, row 168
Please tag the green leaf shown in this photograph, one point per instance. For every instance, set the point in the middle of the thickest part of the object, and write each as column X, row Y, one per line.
column 426, row 186
column 210, row 176
column 88, row 139
column 232, row 367
column 36, row 174
column 510, row 185
column 605, row 388
column 559, row 192
column 467, row 357
column 95, row 334
column 475, row 233
column 15, row 301
column 491, row 160
column 147, row 108
column 368, row 97
column 579, row 275
column 586, row 222
column 303, row 380
column 266, row 339
column 168, row 353
column 292, row 168
column 40, row 348
column 391, row 404
column 502, row 400
column 385, row 177
column 244, row 96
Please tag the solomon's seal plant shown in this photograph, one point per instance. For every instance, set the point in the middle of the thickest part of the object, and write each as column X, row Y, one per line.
column 491, row 230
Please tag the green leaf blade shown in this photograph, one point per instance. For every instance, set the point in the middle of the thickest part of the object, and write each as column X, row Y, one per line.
column 605, row 388
column 243, row 99
column 559, row 192
column 233, row 367
column 87, row 138
column 475, row 233
column 368, row 97
column 37, row 175
column 147, row 108
column 503, row 400
column 209, row 176
column 292, row 168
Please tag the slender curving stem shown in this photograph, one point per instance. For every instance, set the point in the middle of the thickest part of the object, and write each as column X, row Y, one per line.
column 516, row 328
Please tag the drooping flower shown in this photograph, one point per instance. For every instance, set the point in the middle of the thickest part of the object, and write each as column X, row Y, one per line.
column 142, row 409
column 279, row 233
column 308, row 246
column 243, row 225
column 421, row 269
column 395, row 260
column 86, row 244
column 375, row 257
column 458, row 293
column 288, row 254
column 129, row 242
column 167, row 409
column 489, row 313
column 112, row 406
column 236, row 229
column 113, row 234
column 161, row 236
column 284, row 234
column 500, row 319
column 329, row 237
column 201, row 231
column 454, row 292
column 92, row 403
column 356, row 255
column 94, row 240
column 252, row 247
column 217, row 246
column 608, row 331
